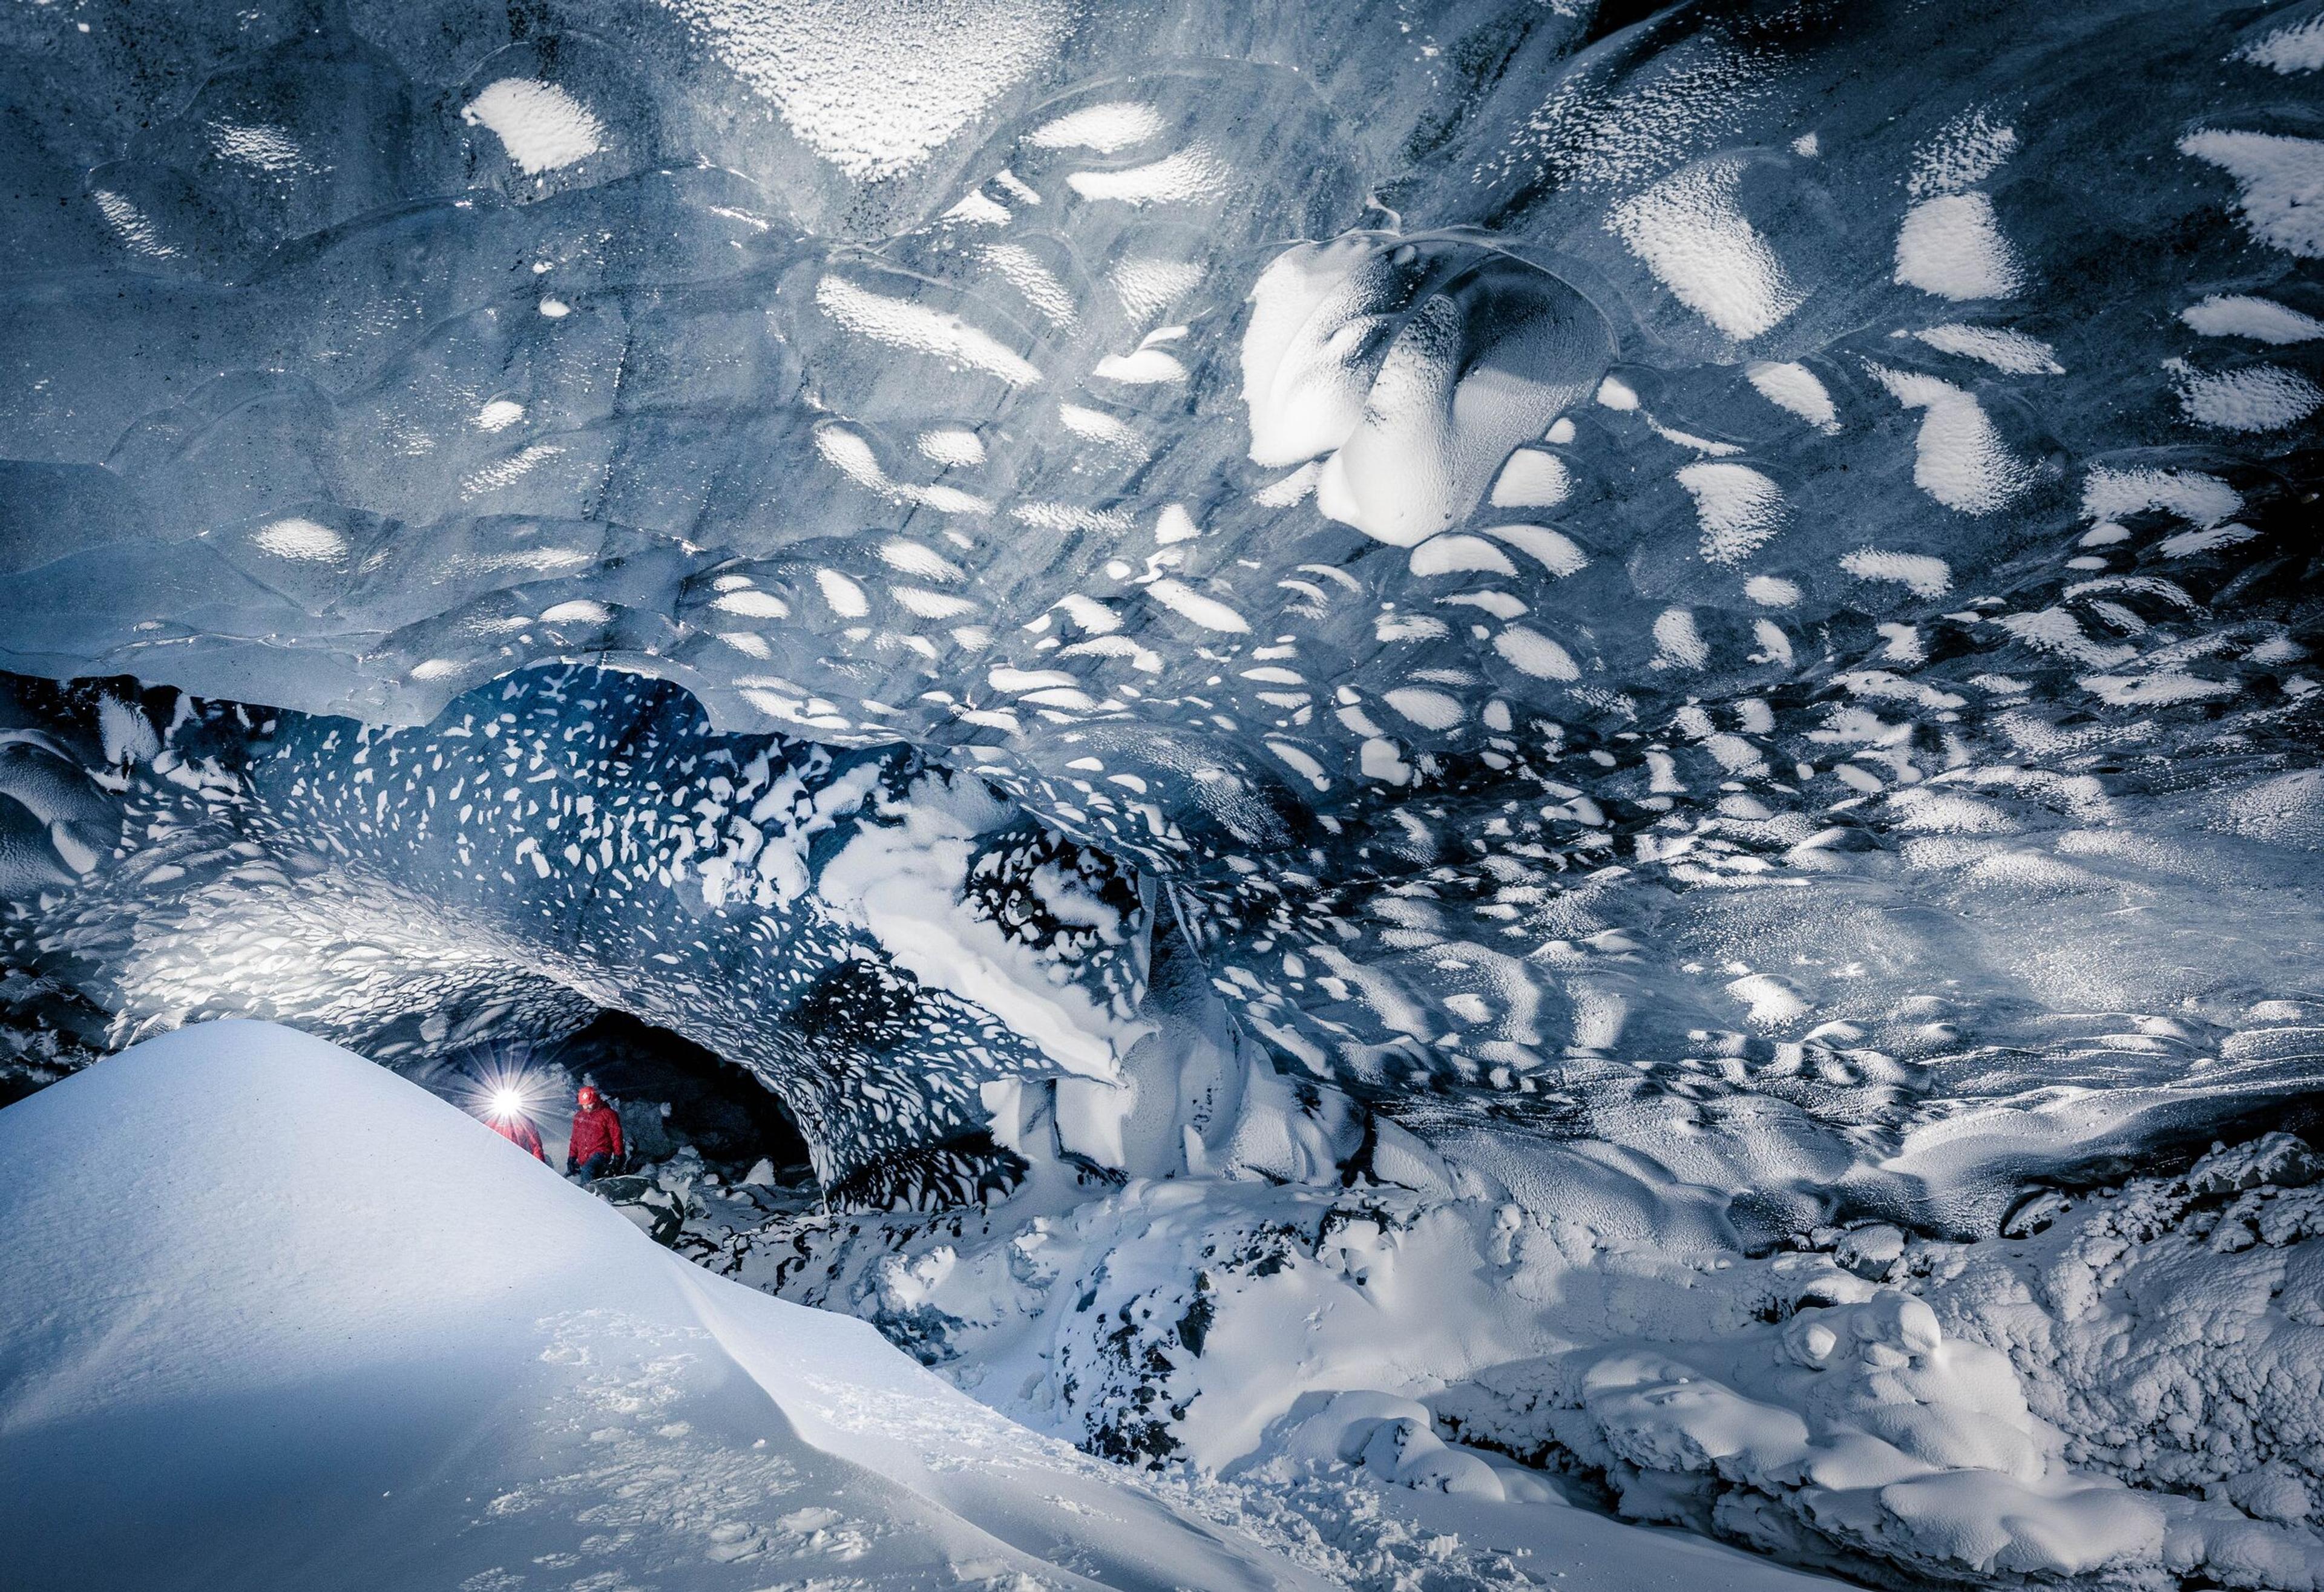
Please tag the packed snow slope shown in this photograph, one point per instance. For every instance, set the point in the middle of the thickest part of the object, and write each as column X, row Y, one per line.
column 278, row 1319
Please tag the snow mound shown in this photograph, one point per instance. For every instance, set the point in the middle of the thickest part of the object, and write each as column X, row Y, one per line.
column 281, row 1319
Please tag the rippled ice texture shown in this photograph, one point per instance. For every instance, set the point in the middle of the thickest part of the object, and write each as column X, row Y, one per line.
column 1728, row 587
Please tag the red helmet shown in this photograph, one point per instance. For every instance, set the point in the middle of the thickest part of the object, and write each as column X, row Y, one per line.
column 588, row 1096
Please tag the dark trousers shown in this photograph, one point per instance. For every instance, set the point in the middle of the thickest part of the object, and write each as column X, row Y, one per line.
column 594, row 1166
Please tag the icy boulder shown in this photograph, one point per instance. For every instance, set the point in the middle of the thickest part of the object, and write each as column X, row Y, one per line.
column 280, row 1320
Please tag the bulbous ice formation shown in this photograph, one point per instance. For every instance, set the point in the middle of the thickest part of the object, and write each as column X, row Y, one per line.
column 1415, row 370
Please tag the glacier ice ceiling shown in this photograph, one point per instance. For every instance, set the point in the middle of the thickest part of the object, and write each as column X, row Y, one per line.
column 1698, row 623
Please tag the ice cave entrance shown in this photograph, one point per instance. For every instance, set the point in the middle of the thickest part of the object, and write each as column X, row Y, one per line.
column 672, row 1094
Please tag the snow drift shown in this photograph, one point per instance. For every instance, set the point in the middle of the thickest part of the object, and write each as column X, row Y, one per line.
column 278, row 1319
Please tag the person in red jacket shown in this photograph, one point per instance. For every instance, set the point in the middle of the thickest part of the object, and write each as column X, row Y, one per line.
column 596, row 1145
column 515, row 1126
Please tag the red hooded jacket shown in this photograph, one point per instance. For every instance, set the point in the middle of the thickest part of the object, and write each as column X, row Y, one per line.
column 596, row 1131
column 519, row 1132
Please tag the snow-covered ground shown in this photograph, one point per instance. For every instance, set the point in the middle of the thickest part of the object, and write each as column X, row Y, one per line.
column 279, row 1319
column 2120, row 1390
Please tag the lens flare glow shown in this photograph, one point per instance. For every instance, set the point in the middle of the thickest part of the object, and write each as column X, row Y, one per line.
column 506, row 1086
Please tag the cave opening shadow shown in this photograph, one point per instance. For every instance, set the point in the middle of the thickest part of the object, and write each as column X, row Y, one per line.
column 718, row 1107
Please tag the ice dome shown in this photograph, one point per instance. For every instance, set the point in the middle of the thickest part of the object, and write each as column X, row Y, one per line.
column 1695, row 623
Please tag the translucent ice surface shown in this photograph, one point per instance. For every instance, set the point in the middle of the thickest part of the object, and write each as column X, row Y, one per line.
column 1727, row 584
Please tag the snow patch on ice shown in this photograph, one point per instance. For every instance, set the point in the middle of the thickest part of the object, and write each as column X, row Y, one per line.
column 875, row 86
column 2109, row 494
column 302, row 539
column 1952, row 246
column 2297, row 47
column 542, row 126
column 2012, row 352
column 1960, row 458
column 1739, row 509
column 1108, row 128
column 920, row 328
column 1691, row 235
column 1964, row 152
column 2263, row 320
column 2278, row 181
column 2256, row 397
column 1922, row 576
column 1794, row 387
